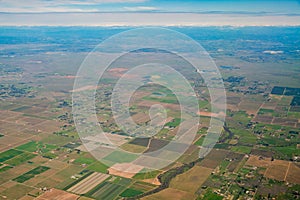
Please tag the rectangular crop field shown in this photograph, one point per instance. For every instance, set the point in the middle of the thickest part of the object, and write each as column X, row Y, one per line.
column 20, row 159
column 108, row 191
column 30, row 174
column 9, row 154
column 191, row 180
column 88, row 183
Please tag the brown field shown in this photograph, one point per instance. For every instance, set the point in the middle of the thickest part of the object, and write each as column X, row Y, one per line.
column 56, row 164
column 293, row 174
column 214, row 158
column 88, row 183
column 191, row 180
column 9, row 142
column 117, row 140
column 27, row 197
column 232, row 107
column 6, row 114
column 233, row 100
column 54, row 194
column 140, row 118
column 156, row 144
column 284, row 121
column 274, row 190
column 170, row 193
column 277, row 170
column 133, row 148
column 153, row 181
column 235, row 158
column 259, row 161
column 251, row 104
column 263, row 153
column 263, row 119
column 147, row 161
column 127, row 170
column 7, row 184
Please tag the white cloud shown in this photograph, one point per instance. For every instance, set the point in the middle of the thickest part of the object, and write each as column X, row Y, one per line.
column 56, row 5
column 140, row 8
column 145, row 19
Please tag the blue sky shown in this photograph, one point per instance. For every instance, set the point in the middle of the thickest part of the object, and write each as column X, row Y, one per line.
column 269, row 6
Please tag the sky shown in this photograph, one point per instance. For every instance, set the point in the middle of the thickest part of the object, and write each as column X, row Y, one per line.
column 12, row 11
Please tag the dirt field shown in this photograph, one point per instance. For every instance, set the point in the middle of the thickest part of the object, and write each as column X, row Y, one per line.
column 278, row 169
column 140, row 118
column 191, row 180
column 250, row 104
column 54, row 194
column 293, row 174
column 214, row 158
column 258, row 161
column 120, row 169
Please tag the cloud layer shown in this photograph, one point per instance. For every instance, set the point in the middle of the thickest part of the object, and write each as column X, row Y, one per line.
column 30, row 6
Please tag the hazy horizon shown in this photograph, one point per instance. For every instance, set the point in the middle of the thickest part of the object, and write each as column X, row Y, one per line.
column 149, row 13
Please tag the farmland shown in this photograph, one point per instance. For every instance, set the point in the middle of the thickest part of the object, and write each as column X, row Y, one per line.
column 31, row 174
column 255, row 157
column 88, row 183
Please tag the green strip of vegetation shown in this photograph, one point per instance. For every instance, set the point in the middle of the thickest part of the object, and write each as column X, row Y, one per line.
column 130, row 193
column 6, row 155
column 20, row 159
column 5, row 168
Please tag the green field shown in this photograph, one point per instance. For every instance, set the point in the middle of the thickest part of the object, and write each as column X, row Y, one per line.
column 199, row 142
column 16, row 191
column 120, row 157
column 241, row 149
column 143, row 174
column 34, row 146
column 108, row 191
column 84, row 160
column 130, row 193
column 98, row 167
column 30, row 174
column 122, row 181
column 20, row 159
column 209, row 195
column 175, row 122
column 9, row 154
column 5, row 168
